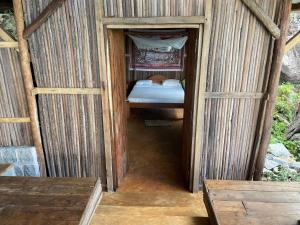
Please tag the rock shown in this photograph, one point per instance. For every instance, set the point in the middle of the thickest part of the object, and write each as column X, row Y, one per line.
column 295, row 165
column 279, row 150
column 269, row 156
column 291, row 62
column 270, row 164
column 282, row 162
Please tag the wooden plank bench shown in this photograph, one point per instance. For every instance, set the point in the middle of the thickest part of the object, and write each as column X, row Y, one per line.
column 250, row 202
column 35, row 201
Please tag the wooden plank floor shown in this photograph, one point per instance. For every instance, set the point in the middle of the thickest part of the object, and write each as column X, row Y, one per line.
column 257, row 203
column 36, row 201
column 145, row 208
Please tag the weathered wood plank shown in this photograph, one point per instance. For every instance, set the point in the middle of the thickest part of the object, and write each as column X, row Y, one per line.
column 66, row 91
column 15, row 120
column 154, row 20
column 242, row 202
column 59, row 200
column 292, row 42
column 7, row 44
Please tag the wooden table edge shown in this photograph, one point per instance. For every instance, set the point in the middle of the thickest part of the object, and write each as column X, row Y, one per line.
column 92, row 204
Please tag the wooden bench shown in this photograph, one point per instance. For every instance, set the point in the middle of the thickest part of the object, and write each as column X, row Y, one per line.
column 249, row 202
column 35, row 201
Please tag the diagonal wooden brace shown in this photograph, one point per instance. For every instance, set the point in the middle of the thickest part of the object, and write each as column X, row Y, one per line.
column 265, row 19
column 46, row 13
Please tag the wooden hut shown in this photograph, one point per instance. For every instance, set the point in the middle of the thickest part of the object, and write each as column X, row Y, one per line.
column 76, row 72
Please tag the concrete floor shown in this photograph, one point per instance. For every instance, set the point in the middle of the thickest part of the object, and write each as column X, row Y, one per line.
column 154, row 153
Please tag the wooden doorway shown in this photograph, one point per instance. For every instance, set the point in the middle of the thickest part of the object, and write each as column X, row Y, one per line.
column 119, row 110
column 191, row 158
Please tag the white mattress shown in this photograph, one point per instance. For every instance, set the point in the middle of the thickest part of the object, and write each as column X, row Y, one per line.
column 156, row 94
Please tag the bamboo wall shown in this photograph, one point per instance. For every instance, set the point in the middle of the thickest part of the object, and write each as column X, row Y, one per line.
column 64, row 55
column 12, row 101
column 240, row 56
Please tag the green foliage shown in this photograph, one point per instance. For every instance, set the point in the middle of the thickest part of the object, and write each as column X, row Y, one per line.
column 282, row 174
column 286, row 104
column 7, row 21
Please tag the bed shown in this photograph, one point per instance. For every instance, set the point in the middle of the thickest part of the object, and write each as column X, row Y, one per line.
column 157, row 92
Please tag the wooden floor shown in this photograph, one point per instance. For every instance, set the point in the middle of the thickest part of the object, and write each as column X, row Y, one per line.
column 154, row 153
column 153, row 192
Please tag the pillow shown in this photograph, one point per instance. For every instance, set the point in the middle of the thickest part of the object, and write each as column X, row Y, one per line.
column 144, row 83
column 171, row 83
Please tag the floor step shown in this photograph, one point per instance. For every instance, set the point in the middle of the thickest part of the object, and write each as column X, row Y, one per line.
column 149, row 211
column 149, row 220
column 145, row 208
column 163, row 199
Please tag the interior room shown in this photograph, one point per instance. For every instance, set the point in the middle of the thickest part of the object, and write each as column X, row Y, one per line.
column 153, row 82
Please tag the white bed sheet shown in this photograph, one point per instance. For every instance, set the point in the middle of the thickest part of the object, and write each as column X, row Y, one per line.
column 156, row 94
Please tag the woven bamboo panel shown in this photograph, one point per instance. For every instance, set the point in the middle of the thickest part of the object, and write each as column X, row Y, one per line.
column 240, row 54
column 64, row 55
column 12, row 101
column 146, row 8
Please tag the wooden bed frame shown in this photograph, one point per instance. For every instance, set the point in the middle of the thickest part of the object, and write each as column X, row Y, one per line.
column 156, row 79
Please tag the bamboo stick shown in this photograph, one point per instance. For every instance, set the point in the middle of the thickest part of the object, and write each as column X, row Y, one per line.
column 6, row 44
column 28, row 83
column 15, row 120
column 66, row 91
column 273, row 87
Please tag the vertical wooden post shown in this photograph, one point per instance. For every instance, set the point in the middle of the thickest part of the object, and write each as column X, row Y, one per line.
column 107, row 124
column 279, row 48
column 200, row 102
column 28, row 84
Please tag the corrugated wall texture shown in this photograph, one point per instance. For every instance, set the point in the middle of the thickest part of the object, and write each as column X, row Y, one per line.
column 144, row 8
column 64, row 54
column 240, row 53
column 12, row 101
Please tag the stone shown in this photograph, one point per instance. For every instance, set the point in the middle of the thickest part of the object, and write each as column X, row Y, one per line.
column 26, row 155
column 270, row 164
column 269, row 156
column 282, row 162
column 279, row 150
column 295, row 165
column 8, row 154
column 31, row 170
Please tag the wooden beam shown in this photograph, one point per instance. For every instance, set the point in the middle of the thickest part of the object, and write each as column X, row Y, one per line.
column 7, row 37
column 237, row 95
column 105, row 95
column 28, row 84
column 202, row 67
column 292, row 42
column 67, row 91
column 151, row 26
column 155, row 20
column 272, row 88
column 45, row 14
column 15, row 120
column 6, row 44
column 265, row 19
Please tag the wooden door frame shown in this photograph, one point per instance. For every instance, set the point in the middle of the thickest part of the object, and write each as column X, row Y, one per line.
column 203, row 24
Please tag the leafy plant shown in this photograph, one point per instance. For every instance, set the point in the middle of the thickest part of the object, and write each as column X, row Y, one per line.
column 7, row 21
column 282, row 174
column 286, row 103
